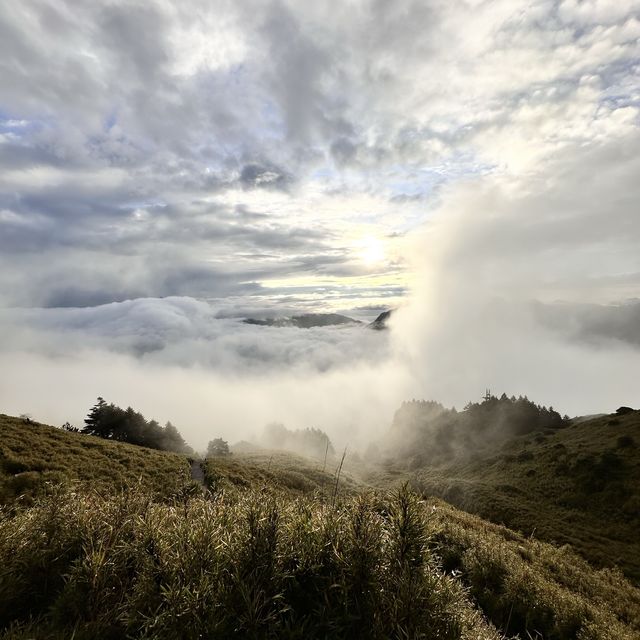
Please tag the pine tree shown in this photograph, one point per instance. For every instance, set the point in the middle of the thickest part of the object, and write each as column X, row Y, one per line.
column 94, row 422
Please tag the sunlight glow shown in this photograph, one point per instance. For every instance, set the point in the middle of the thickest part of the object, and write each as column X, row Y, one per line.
column 371, row 250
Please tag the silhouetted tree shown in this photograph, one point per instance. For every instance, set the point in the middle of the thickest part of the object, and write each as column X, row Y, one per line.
column 127, row 425
column 312, row 441
column 435, row 433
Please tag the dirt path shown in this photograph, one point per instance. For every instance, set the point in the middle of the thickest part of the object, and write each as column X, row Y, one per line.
column 197, row 473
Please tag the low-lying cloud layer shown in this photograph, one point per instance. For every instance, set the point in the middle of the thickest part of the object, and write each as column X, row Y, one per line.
column 188, row 333
column 177, row 359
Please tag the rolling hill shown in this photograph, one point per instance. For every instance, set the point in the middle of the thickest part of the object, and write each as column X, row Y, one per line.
column 132, row 548
column 578, row 484
column 34, row 455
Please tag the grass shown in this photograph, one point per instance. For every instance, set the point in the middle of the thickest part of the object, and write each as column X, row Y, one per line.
column 127, row 546
column 532, row 588
column 34, row 456
column 279, row 469
column 579, row 486
column 269, row 564
column 240, row 564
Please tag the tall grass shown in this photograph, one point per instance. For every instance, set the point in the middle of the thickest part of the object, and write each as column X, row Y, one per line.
column 534, row 589
column 579, row 485
column 241, row 565
column 266, row 564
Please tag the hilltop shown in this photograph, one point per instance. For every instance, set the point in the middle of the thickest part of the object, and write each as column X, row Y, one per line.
column 33, row 455
column 567, row 481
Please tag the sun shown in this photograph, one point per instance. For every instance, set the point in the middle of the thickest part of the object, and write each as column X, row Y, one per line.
column 371, row 250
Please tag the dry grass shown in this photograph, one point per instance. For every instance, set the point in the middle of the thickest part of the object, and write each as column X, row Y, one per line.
column 270, row 551
column 33, row 456
column 277, row 469
column 530, row 587
column 235, row 565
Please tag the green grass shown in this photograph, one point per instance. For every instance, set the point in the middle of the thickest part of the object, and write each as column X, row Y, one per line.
column 34, row 456
column 579, row 485
column 277, row 469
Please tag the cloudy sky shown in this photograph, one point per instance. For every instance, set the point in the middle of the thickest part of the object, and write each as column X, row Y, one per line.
column 205, row 160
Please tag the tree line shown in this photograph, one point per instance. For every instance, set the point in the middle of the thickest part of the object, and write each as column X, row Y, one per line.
column 127, row 425
column 429, row 432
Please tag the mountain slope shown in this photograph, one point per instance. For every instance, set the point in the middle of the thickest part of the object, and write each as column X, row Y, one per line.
column 578, row 485
column 33, row 454
column 280, row 470
column 273, row 551
column 263, row 565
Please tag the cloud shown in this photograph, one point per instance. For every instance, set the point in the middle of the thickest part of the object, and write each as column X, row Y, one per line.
column 181, row 359
column 188, row 332
column 240, row 152
column 255, row 175
column 315, row 119
column 565, row 232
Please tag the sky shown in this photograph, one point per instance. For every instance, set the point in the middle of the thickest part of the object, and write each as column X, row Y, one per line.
column 168, row 168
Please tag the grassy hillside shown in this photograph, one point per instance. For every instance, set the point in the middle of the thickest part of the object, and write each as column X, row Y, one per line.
column 272, row 551
column 277, row 469
column 32, row 455
column 578, row 485
column 267, row 564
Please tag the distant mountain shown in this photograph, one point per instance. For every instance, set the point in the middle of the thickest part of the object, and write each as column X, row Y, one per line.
column 381, row 321
column 304, row 321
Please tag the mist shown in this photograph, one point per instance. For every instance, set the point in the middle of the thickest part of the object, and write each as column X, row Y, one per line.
column 479, row 177
column 505, row 269
column 210, row 377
